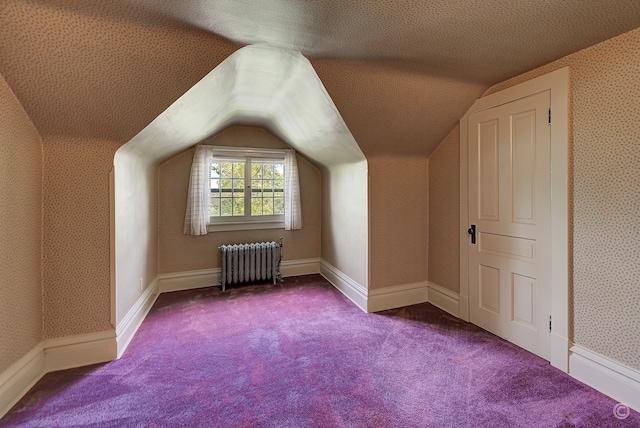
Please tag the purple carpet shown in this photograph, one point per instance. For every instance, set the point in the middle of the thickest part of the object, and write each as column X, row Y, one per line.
column 299, row 354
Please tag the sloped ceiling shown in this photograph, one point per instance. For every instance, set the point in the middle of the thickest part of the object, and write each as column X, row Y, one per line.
column 401, row 72
column 261, row 85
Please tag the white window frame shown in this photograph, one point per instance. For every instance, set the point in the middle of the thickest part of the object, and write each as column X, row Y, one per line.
column 246, row 222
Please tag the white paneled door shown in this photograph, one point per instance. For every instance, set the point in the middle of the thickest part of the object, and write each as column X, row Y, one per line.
column 509, row 208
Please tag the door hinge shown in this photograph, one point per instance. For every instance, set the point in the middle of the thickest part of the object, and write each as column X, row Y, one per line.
column 549, row 323
column 549, row 115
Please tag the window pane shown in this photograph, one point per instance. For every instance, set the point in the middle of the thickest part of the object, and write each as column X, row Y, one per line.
column 214, row 209
column 226, row 183
column 266, row 185
column 238, row 170
column 267, row 207
column 278, row 205
column 214, row 198
column 228, row 188
column 256, row 170
column 226, row 206
column 225, row 169
column 256, row 206
column 238, row 204
column 267, row 169
column 215, row 170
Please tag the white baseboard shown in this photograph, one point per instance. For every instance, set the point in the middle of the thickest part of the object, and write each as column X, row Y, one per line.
column 350, row 288
column 20, row 378
column 444, row 299
column 126, row 329
column 619, row 382
column 81, row 350
column 381, row 299
column 188, row 280
column 300, row 267
column 52, row 355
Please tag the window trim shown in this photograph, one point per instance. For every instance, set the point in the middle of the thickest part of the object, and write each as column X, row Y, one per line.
column 245, row 225
column 246, row 222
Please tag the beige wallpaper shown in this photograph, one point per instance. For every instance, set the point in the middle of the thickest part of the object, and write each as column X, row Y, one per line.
column 20, row 230
column 76, row 286
column 444, row 213
column 90, row 77
column 178, row 252
column 399, row 220
column 393, row 111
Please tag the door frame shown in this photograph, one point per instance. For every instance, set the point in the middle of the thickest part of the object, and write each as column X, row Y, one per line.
column 557, row 82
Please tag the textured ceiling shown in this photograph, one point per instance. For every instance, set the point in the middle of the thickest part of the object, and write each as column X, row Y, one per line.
column 486, row 41
column 401, row 73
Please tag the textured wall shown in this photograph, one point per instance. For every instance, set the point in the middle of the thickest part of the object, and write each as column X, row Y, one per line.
column 444, row 213
column 76, row 235
column 393, row 111
column 399, row 220
column 605, row 99
column 20, row 230
column 90, row 75
column 178, row 252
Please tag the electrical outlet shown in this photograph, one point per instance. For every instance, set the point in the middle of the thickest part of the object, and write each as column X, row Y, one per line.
column 140, row 284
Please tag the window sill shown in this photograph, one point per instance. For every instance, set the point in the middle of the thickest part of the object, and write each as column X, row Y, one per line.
column 252, row 225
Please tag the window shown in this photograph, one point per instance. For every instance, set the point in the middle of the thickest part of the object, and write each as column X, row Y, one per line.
column 234, row 188
column 247, row 188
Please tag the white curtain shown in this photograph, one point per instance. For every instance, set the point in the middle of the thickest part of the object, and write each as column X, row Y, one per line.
column 292, row 207
column 197, row 213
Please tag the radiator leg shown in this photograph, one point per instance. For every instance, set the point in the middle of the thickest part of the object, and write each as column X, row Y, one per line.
column 280, row 252
column 223, row 267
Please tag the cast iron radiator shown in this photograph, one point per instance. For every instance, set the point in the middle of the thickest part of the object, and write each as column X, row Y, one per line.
column 259, row 261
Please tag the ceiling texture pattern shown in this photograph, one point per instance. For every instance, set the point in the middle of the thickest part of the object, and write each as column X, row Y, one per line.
column 483, row 41
column 401, row 73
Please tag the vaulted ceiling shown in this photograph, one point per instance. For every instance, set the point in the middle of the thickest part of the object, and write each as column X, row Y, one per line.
column 400, row 72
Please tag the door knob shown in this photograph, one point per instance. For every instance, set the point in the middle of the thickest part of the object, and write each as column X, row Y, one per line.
column 472, row 231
